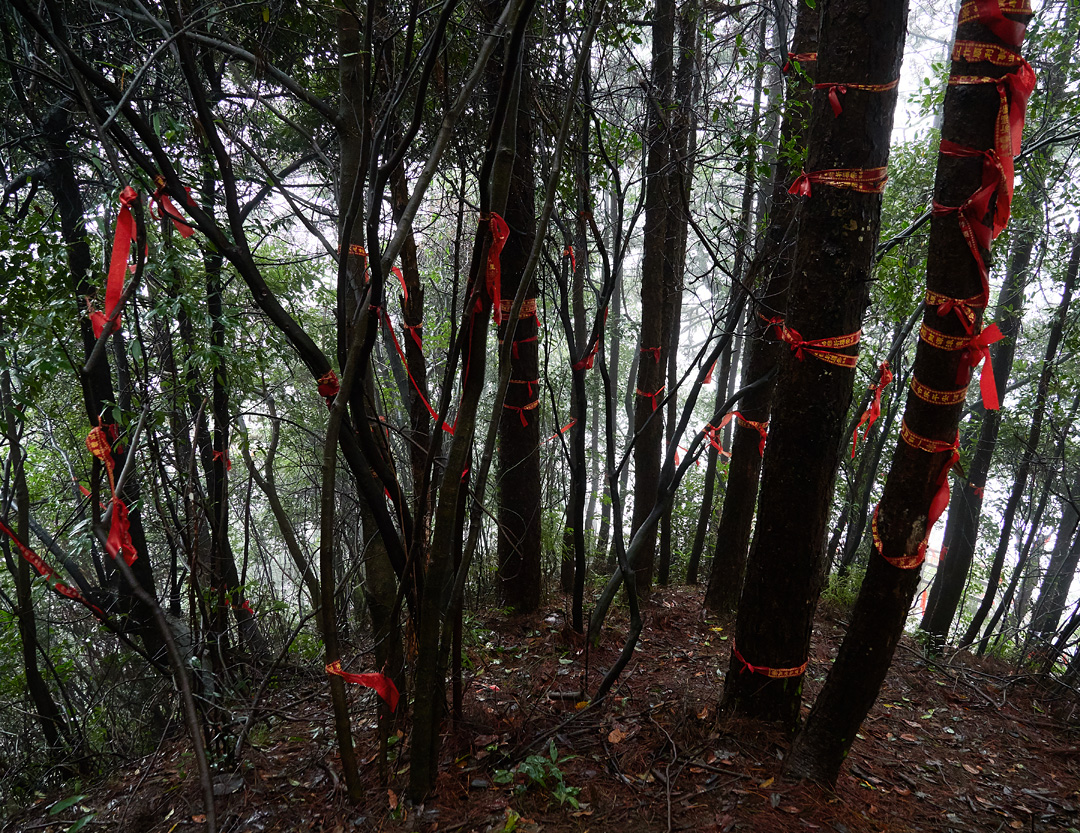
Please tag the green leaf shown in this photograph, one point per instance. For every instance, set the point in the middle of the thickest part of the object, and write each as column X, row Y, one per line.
column 64, row 803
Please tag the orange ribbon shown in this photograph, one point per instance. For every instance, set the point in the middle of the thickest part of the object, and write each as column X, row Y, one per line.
column 837, row 90
column 863, row 180
column 820, row 347
column 871, row 414
column 500, row 231
column 562, row 430
column 978, row 349
column 773, row 673
column 380, row 683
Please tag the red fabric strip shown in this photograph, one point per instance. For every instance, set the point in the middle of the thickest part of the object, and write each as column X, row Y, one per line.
column 379, row 683
column 499, row 233
column 874, row 411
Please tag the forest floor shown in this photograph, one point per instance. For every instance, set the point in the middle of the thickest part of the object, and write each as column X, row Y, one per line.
column 960, row 745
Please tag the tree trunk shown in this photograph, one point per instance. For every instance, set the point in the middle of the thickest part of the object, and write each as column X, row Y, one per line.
column 772, row 269
column 828, row 295
column 519, row 425
column 916, row 489
column 657, row 284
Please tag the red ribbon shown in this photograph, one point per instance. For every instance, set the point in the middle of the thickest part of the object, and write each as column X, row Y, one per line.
column 994, row 175
column 401, row 280
column 977, row 350
column 119, row 540
column 569, row 252
column 821, row 348
column 708, row 376
column 380, row 683
column 991, row 17
column 48, row 573
column 586, row 363
column 837, row 90
column 413, row 328
column 712, row 433
column 655, row 352
column 123, row 237
column 874, row 411
column 499, row 232
column 977, row 233
column 651, row 396
column 863, row 180
column 562, row 430
column 416, row 386
column 329, row 385
column 218, row 455
column 169, row 210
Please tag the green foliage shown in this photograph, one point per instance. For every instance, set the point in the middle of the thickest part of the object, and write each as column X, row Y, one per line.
column 841, row 590
column 543, row 772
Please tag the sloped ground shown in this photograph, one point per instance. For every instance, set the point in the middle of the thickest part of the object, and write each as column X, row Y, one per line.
column 956, row 747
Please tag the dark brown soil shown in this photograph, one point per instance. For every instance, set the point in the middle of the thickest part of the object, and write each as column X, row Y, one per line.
column 963, row 745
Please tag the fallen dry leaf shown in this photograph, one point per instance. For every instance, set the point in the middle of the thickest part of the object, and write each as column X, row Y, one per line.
column 616, row 735
column 392, row 798
column 766, row 783
column 971, row 769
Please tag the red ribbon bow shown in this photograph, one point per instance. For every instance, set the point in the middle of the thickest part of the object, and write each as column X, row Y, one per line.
column 169, row 210
column 977, row 350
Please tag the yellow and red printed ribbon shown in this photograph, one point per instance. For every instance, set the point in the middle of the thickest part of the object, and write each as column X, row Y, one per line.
column 977, row 234
column 530, row 382
column 977, row 350
column 651, row 396
column 379, row 683
column 528, row 308
column 994, row 177
column 863, row 180
column 1013, row 89
column 963, row 307
column 168, row 209
column 990, row 13
column 119, row 539
column 902, row 562
column 48, row 573
column 837, row 90
column 821, row 348
column 772, row 673
column 761, row 427
column 973, row 52
column 500, row 231
column 944, row 398
column 871, row 414
column 123, row 238
column 941, row 497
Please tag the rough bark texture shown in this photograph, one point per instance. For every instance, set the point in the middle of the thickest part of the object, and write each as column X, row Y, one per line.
column 772, row 271
column 962, row 527
column 884, row 600
column 519, row 425
column 828, row 294
column 656, row 286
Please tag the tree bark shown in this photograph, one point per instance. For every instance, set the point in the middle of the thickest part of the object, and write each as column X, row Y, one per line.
column 829, row 292
column 917, row 482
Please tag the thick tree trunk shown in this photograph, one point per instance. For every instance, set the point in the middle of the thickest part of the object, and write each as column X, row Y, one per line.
column 962, row 527
column 772, row 270
column 829, row 291
column 916, row 486
column 657, row 284
column 519, row 425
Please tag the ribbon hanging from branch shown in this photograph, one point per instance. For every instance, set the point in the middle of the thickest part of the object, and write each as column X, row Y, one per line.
column 379, row 683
